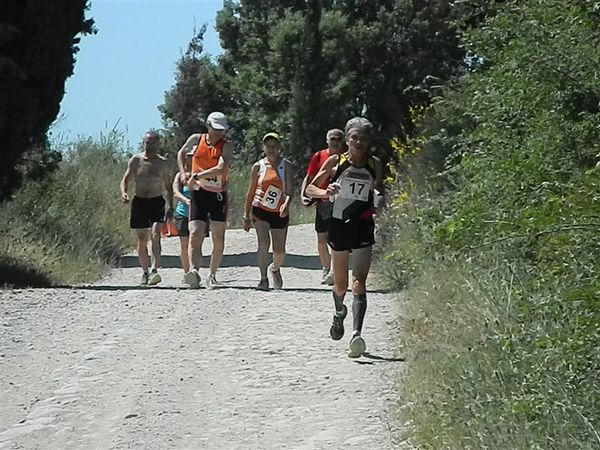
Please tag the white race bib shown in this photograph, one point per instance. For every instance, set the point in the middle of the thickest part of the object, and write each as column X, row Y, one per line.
column 355, row 189
column 212, row 182
column 271, row 197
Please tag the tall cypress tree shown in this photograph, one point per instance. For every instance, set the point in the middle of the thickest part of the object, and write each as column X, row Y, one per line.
column 38, row 43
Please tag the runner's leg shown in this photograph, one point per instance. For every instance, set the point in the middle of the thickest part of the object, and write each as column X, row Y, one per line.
column 340, row 272
column 340, row 276
column 197, row 228
column 143, row 234
column 217, row 230
column 156, row 244
column 279, row 236
column 361, row 264
column 264, row 242
column 185, row 257
column 323, row 250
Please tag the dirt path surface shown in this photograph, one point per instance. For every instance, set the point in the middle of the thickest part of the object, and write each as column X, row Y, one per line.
column 116, row 365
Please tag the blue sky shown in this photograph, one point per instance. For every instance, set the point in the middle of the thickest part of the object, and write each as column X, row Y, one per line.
column 122, row 72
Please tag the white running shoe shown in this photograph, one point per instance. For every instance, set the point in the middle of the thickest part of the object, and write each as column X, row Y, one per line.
column 277, row 279
column 211, row 281
column 327, row 277
column 324, row 276
column 155, row 278
column 192, row 278
column 357, row 346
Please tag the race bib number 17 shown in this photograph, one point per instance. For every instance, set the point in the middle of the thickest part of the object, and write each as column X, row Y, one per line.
column 356, row 189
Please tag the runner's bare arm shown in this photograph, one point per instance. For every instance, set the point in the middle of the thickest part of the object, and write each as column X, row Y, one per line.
column 177, row 194
column 252, row 183
column 223, row 164
column 168, row 186
column 313, row 189
column 310, row 176
column 129, row 172
column 289, row 189
column 189, row 145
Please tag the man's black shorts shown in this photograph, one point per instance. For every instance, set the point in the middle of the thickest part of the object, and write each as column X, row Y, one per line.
column 206, row 204
column 146, row 211
column 323, row 216
column 352, row 234
column 273, row 218
column 181, row 225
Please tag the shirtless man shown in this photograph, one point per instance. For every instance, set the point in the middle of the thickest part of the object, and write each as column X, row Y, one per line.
column 211, row 154
column 150, row 173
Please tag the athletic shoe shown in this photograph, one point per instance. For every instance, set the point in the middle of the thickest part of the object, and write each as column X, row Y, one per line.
column 327, row 277
column 337, row 326
column 324, row 276
column 277, row 280
column 211, row 281
column 144, row 281
column 192, row 278
column 263, row 285
column 357, row 346
column 154, row 278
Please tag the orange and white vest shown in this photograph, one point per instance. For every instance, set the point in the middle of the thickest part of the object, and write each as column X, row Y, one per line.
column 270, row 190
column 206, row 157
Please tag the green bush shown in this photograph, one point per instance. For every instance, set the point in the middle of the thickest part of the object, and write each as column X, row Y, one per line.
column 499, row 246
column 68, row 226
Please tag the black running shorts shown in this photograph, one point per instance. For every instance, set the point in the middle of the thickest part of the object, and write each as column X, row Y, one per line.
column 273, row 218
column 205, row 204
column 352, row 234
column 323, row 216
column 146, row 211
column 181, row 225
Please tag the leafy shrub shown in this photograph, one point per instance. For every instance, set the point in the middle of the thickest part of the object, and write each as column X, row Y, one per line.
column 499, row 247
column 67, row 226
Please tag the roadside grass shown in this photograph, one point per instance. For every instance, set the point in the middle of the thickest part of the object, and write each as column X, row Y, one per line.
column 497, row 356
column 68, row 227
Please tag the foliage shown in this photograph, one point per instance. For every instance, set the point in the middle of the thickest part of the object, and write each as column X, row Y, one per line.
column 68, row 226
column 497, row 240
column 38, row 43
column 300, row 68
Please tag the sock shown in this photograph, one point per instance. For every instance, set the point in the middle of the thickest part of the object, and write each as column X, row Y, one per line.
column 338, row 302
column 359, row 308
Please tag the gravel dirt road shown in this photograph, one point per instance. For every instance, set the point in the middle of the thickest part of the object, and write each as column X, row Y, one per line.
column 115, row 365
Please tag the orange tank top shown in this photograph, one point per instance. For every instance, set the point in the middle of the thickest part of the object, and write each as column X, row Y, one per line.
column 206, row 157
column 270, row 189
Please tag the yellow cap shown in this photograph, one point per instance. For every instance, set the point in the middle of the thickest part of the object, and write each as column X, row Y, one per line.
column 271, row 135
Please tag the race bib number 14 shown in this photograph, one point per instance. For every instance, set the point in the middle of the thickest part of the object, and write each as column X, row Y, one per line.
column 214, row 182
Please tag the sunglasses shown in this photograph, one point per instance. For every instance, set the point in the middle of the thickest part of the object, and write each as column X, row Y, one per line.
column 333, row 138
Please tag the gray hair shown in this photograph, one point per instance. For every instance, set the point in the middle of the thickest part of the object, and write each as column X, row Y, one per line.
column 359, row 123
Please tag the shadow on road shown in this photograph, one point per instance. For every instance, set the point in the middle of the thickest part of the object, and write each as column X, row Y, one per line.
column 222, row 287
column 377, row 358
column 242, row 259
